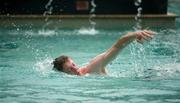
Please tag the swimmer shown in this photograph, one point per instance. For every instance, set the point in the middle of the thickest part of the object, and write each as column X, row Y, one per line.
column 98, row 64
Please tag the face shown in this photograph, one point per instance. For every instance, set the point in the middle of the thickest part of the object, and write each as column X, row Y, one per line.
column 70, row 67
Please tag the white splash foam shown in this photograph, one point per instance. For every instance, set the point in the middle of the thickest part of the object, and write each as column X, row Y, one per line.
column 168, row 70
column 88, row 31
column 40, row 33
column 44, row 66
column 46, row 32
column 163, row 71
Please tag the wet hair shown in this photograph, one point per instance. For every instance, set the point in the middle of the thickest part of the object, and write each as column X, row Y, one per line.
column 59, row 62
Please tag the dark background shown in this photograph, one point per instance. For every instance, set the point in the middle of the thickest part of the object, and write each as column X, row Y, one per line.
column 69, row 7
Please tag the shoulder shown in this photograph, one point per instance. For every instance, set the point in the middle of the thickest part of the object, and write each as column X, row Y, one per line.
column 83, row 70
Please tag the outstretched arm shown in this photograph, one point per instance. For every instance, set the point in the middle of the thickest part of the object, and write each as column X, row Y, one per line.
column 140, row 36
column 98, row 63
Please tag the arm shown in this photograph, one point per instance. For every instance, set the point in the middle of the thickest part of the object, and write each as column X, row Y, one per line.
column 100, row 61
column 112, row 53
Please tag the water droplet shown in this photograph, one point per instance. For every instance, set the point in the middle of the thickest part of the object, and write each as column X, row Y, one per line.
column 17, row 29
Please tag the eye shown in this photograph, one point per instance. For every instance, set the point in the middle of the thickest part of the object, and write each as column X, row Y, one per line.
column 73, row 64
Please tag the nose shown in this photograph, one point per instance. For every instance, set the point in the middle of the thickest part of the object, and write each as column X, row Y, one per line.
column 73, row 64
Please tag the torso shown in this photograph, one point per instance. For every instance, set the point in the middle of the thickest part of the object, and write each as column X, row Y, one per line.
column 85, row 70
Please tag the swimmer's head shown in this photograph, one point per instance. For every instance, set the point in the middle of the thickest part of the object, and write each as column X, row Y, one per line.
column 65, row 64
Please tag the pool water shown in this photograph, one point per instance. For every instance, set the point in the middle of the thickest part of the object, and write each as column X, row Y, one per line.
column 140, row 74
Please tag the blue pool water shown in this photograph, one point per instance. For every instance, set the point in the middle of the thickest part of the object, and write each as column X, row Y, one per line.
column 140, row 74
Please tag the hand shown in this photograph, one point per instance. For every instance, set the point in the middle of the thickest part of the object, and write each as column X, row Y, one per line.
column 144, row 35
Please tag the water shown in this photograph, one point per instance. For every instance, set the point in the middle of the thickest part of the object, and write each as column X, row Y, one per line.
column 26, row 72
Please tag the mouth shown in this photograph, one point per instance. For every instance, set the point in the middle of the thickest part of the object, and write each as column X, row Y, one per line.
column 75, row 70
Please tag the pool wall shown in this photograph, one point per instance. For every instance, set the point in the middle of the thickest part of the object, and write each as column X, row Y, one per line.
column 82, row 21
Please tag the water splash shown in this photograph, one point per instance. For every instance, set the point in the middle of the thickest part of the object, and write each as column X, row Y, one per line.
column 87, row 31
column 167, row 70
column 44, row 33
column 42, row 59
column 137, row 50
column 49, row 9
column 92, row 14
column 47, row 32
column 44, row 66
column 92, row 29
column 156, row 60
column 138, row 25
column 157, row 72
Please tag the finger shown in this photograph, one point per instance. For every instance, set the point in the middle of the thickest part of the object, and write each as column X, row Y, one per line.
column 148, row 35
column 150, row 32
column 143, row 36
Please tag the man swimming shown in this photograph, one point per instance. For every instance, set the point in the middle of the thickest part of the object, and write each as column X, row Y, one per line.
column 97, row 64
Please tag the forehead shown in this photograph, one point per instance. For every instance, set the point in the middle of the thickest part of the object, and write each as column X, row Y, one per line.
column 69, row 60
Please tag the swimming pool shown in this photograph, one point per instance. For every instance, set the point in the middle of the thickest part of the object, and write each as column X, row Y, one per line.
column 141, row 73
